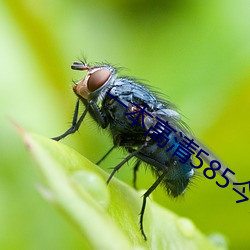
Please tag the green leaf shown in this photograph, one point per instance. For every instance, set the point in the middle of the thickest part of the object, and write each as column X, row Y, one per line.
column 107, row 215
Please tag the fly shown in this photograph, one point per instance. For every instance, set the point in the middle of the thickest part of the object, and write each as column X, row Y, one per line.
column 148, row 127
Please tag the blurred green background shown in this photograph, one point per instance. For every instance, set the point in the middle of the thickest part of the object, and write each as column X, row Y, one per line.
column 195, row 52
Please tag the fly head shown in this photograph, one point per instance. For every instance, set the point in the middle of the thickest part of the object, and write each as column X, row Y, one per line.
column 97, row 79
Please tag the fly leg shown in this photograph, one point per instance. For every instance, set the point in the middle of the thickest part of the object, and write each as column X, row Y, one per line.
column 135, row 169
column 75, row 124
column 91, row 107
column 145, row 196
column 105, row 155
column 97, row 114
column 124, row 161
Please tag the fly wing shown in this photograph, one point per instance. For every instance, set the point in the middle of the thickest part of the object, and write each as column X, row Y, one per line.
column 170, row 115
column 174, row 118
column 211, row 157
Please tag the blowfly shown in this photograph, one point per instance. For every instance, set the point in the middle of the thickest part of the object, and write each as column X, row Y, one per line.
column 148, row 127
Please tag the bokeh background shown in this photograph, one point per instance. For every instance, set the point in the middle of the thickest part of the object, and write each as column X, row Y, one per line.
column 195, row 52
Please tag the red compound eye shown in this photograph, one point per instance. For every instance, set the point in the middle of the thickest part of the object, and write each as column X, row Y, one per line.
column 97, row 79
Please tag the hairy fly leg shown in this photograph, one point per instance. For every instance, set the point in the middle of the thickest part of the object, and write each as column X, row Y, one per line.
column 145, row 196
column 75, row 124
column 98, row 115
column 116, row 168
column 135, row 169
column 104, row 157
column 92, row 108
